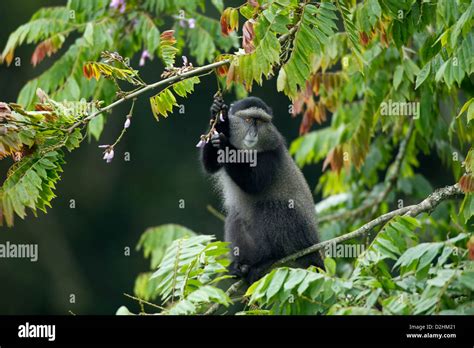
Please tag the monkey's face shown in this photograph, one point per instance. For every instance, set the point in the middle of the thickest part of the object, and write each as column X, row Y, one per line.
column 252, row 129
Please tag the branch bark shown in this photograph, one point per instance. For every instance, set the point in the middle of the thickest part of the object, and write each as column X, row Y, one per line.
column 230, row 291
column 161, row 83
column 427, row 205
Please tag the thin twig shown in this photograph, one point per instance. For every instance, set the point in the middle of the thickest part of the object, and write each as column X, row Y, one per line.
column 230, row 291
column 215, row 212
column 143, row 301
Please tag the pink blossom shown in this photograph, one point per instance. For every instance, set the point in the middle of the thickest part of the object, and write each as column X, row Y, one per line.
column 185, row 22
column 109, row 155
column 118, row 5
column 145, row 55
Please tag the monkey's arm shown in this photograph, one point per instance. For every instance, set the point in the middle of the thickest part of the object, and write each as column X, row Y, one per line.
column 255, row 179
column 209, row 158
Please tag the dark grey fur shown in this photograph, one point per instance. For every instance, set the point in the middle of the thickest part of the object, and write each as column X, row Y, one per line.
column 270, row 209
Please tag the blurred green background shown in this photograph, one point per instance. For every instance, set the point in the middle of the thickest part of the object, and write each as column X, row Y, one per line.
column 81, row 250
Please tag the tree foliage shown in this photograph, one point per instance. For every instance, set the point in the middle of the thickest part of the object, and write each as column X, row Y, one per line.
column 394, row 275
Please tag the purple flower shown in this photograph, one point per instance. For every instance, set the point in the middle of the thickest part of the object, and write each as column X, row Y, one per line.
column 187, row 23
column 144, row 56
column 127, row 123
column 201, row 143
column 118, row 5
column 185, row 60
column 109, row 155
column 221, row 117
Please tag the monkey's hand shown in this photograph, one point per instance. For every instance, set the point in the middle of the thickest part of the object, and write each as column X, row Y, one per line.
column 219, row 107
column 219, row 140
column 216, row 106
column 239, row 270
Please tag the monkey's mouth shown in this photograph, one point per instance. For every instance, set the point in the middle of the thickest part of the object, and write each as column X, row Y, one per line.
column 250, row 141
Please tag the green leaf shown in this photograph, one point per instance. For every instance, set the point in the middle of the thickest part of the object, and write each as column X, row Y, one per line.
column 155, row 240
column 315, row 145
column 145, row 287
column 89, row 34
column 163, row 102
column 467, row 279
column 204, row 295
column 123, row 311
column 277, row 282
column 188, row 264
column 397, row 76
column 166, row 49
column 29, row 185
column 467, row 208
column 45, row 23
column 315, row 28
column 330, row 266
column 218, row 4
column 418, row 257
column 246, row 68
column 423, row 74
column 347, row 18
column 294, row 291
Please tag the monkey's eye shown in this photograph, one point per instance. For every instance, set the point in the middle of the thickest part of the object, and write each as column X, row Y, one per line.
column 248, row 120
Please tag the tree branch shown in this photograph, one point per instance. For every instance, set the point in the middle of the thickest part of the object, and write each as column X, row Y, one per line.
column 230, row 291
column 427, row 205
column 166, row 82
column 161, row 83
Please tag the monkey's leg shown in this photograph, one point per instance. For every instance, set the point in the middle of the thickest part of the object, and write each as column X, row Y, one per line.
column 238, row 269
column 258, row 270
column 313, row 259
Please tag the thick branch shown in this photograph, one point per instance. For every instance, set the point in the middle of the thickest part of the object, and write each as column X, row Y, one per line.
column 427, row 205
